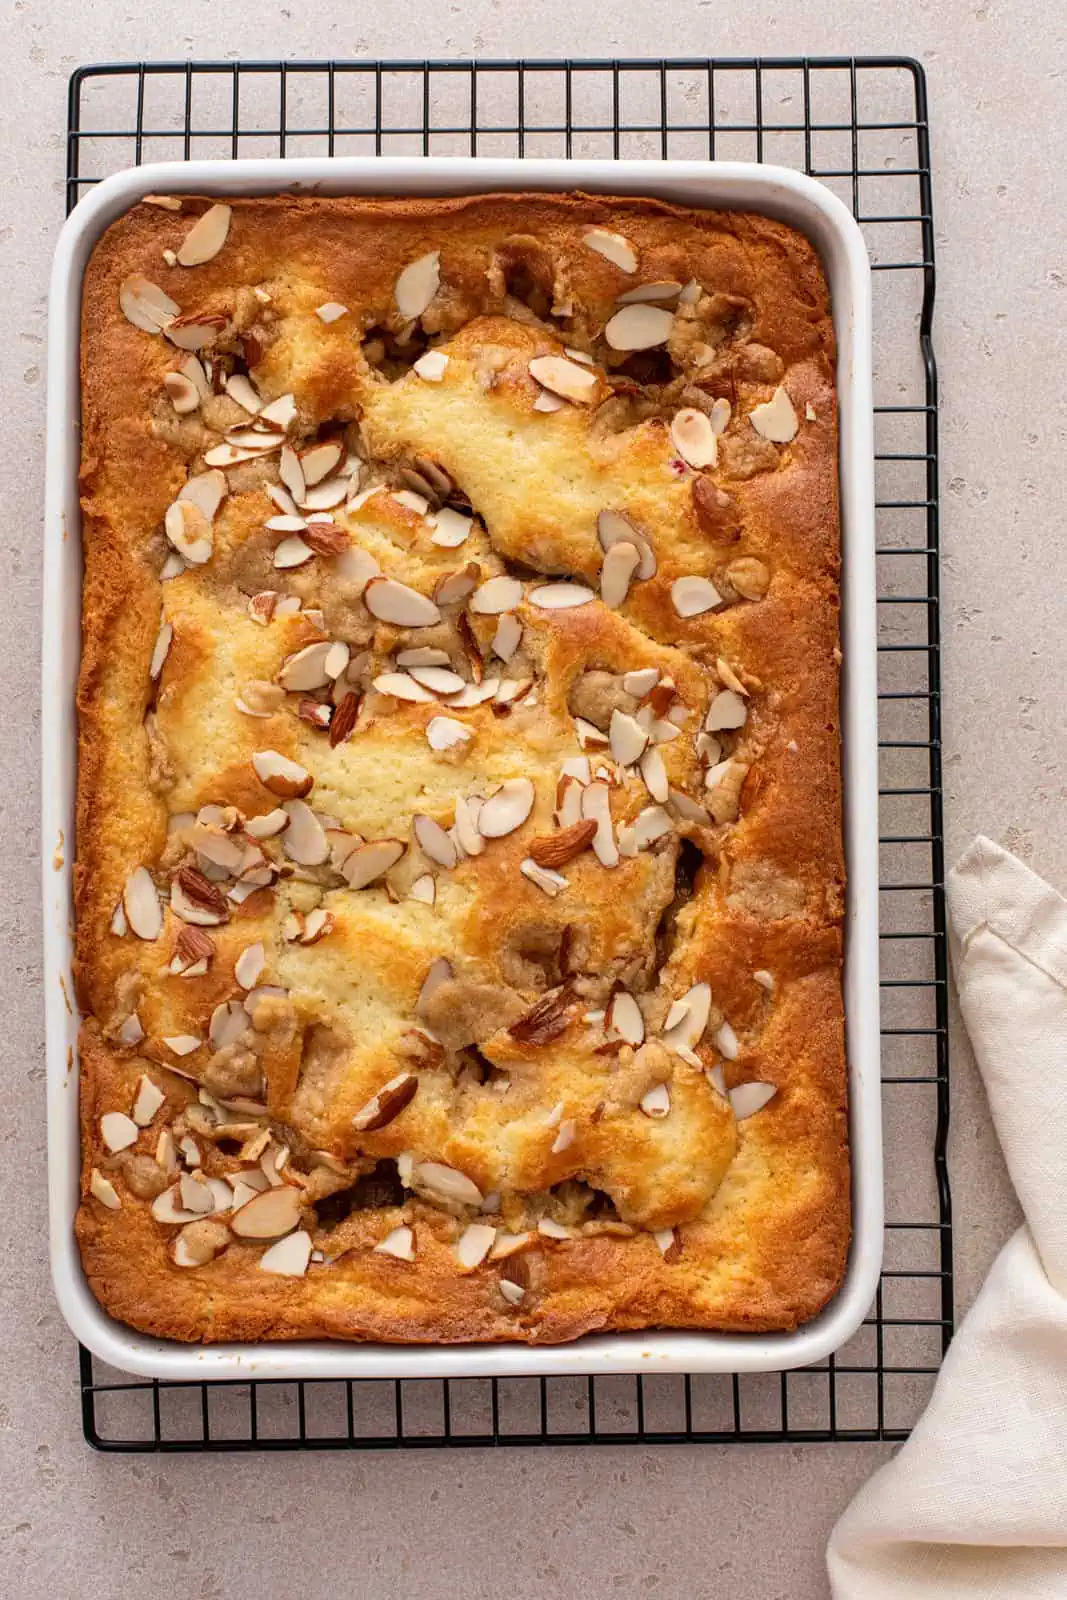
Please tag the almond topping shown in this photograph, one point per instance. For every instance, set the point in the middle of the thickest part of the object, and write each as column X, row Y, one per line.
column 189, row 531
column 639, row 327
column 596, row 805
column 662, row 289
column 556, row 849
column 453, row 588
column 140, row 901
column 552, row 883
column 306, row 669
column 508, row 636
column 385, row 1106
column 440, row 971
column 444, row 1184
column 344, row 718
column 117, row 1130
column 434, row 841
column 183, row 394
column 147, row 1101
column 269, row 1215
column 248, row 968
column 694, row 438
column 325, row 538
column 657, row 1102
column 417, row 285
column 625, row 1018
column 627, row 738
column 450, row 528
column 103, row 1190
column 267, row 825
column 560, row 596
column 145, row 305
column 474, row 1244
column 775, row 419
column 280, row 775
column 445, row 733
column 613, row 247
column 654, row 775
column 691, row 596
column 748, row 1098
column 206, row 237
column 614, row 528
column 261, row 606
column 546, row 1020
column 431, row 366
column 292, row 552
column 688, row 1029
column 506, row 810
column 400, row 1242
column 565, row 378
column 496, row 595
column 727, row 711
column 368, row 862
column 331, row 311
column 620, row 564
column 289, row 1257
column 391, row 601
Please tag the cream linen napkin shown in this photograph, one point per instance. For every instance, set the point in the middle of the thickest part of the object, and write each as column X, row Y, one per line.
column 975, row 1503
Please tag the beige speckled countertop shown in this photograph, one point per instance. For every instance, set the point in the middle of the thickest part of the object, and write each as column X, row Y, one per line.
column 741, row 1521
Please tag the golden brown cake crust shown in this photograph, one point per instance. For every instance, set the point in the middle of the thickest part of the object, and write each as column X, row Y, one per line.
column 635, row 1187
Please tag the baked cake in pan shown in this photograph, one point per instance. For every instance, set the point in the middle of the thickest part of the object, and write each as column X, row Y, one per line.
column 459, row 867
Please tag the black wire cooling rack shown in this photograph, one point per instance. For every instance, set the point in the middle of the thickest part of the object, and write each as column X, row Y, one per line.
column 860, row 126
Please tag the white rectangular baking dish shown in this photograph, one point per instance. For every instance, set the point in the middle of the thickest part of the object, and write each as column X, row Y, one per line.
column 795, row 199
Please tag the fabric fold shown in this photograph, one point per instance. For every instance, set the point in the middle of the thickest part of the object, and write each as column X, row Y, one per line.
column 975, row 1503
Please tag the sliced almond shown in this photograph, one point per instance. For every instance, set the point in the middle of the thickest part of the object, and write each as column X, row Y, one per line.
column 292, row 552
column 392, row 601
column 196, row 333
column 440, row 971
column 270, row 1215
column 331, row 311
column 657, row 1102
column 248, row 968
column 182, row 1044
column 720, row 415
column 620, row 564
column 206, row 491
column 445, row 733
column 549, row 1228
column 508, row 636
column 279, row 414
column 291, row 473
column 566, row 378
column 775, row 419
column 560, row 596
column 687, row 809
column 182, row 392
column 688, row 1029
column 552, row 883
column 450, row 528
column 726, row 1042
column 422, row 656
column 613, row 247
column 103, row 1189
column 307, row 668
column 639, row 683
column 452, row 588
column 402, row 686
column 694, row 438
column 692, row 596
column 167, row 1207
column 627, row 738
column 465, row 828
column 280, row 775
column 147, row 1101
column 748, row 1098
column 261, row 607
column 614, row 528
column 267, row 825
column 289, row 1257
column 506, row 810
column 118, row 1131
column 639, row 327
column 229, row 1021
column 434, row 841
column 624, row 1017
column 326, row 496
column 145, row 305
column 726, row 712
column 662, row 289
column 496, row 595
column 549, row 402
column 435, row 1181
column 317, row 925
column 417, row 285
column 399, row 1242
column 140, row 900
column 765, row 979
column 651, row 824
column 369, row 862
column 474, row 1244
column 189, row 532
column 596, row 807
column 431, row 366
column 654, row 775
column 387, row 1104
column 206, row 237
column 322, row 459
column 569, row 799
column 424, row 889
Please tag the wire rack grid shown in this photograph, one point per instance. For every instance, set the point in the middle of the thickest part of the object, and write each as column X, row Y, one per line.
column 860, row 126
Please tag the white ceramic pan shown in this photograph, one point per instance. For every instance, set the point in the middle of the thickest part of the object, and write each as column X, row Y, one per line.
column 778, row 192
